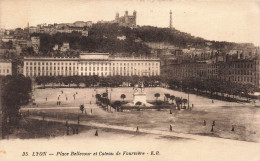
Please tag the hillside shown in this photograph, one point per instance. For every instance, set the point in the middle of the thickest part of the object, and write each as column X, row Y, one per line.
column 105, row 38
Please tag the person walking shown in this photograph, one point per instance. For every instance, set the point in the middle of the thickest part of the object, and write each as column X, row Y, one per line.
column 66, row 124
column 137, row 129
column 233, row 128
column 68, row 132
column 170, row 127
column 204, row 122
column 213, row 123
column 96, row 134
column 212, row 128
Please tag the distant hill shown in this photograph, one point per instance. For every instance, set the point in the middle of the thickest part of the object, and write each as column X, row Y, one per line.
column 105, row 38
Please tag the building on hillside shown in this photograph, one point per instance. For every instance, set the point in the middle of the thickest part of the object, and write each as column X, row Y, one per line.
column 65, row 47
column 35, row 43
column 126, row 20
column 5, row 67
column 100, row 64
column 82, row 24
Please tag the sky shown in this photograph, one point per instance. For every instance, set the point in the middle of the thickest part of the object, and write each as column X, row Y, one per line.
column 219, row 20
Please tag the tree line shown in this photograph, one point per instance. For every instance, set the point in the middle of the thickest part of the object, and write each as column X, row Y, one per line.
column 213, row 87
column 89, row 81
column 15, row 93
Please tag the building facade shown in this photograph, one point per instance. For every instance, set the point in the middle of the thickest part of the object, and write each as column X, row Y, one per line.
column 242, row 71
column 5, row 67
column 88, row 64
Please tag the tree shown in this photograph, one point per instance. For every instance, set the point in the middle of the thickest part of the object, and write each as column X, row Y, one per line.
column 172, row 97
column 104, row 95
column 98, row 96
column 178, row 101
column 123, row 96
column 184, row 101
column 156, row 95
column 117, row 104
column 81, row 108
column 167, row 95
column 16, row 92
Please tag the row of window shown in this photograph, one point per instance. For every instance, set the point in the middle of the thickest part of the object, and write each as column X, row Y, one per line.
column 86, row 63
column 3, row 71
column 86, row 73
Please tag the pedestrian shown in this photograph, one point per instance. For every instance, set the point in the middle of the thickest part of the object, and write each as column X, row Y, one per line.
column 212, row 128
column 73, row 131
column 204, row 122
column 212, row 101
column 170, row 127
column 96, row 134
column 170, row 111
column 137, row 129
column 66, row 124
column 46, row 98
column 66, row 98
column 91, row 110
column 233, row 128
column 68, row 132
column 213, row 123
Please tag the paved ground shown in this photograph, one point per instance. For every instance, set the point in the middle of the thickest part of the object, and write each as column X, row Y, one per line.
column 244, row 117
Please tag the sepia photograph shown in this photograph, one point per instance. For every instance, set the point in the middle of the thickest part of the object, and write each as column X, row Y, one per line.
column 123, row 80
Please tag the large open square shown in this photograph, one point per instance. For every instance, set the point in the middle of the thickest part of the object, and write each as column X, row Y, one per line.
column 195, row 141
column 244, row 117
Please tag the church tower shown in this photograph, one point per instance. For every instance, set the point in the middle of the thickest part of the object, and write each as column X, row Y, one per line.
column 170, row 19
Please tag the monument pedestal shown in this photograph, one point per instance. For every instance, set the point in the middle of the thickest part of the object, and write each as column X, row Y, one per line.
column 140, row 97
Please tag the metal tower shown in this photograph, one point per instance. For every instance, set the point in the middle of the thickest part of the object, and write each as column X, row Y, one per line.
column 170, row 19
